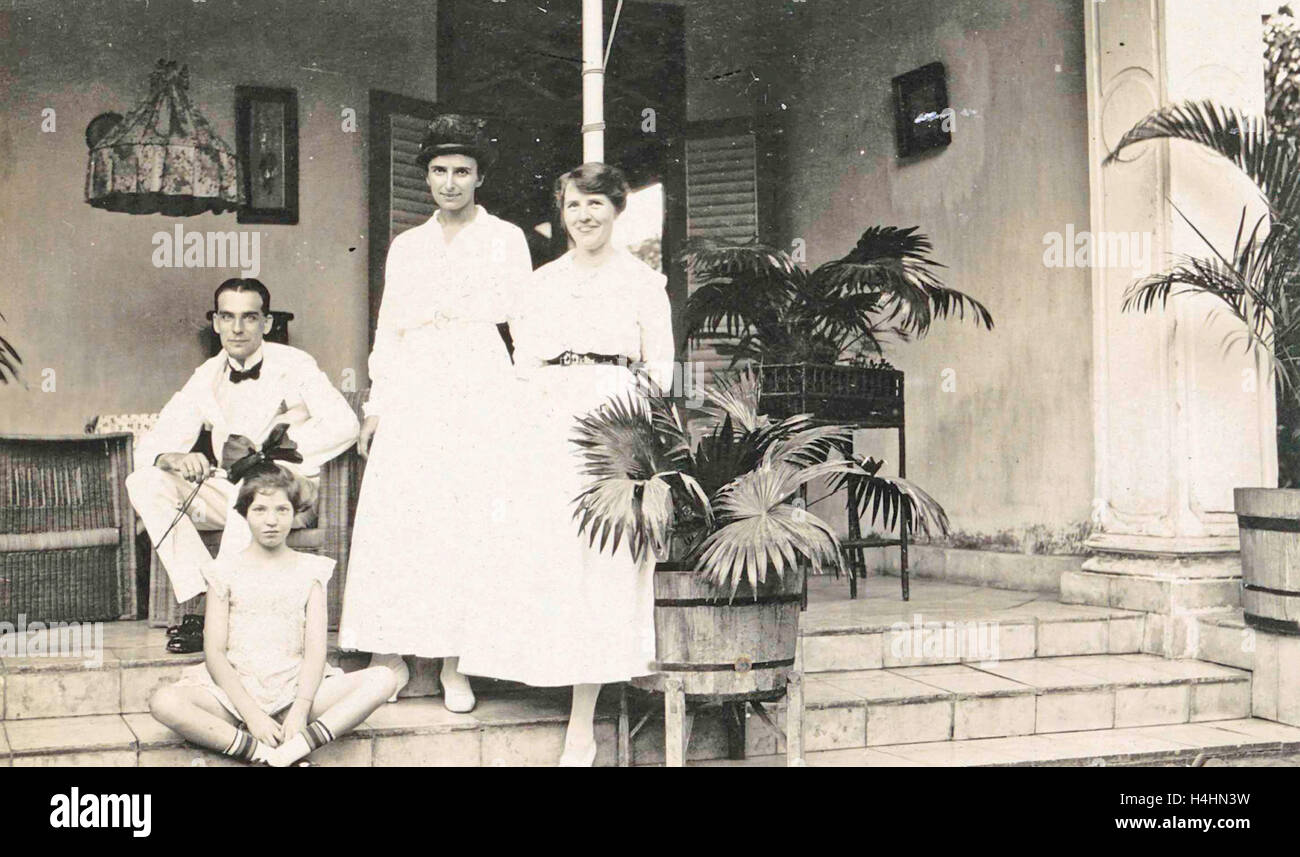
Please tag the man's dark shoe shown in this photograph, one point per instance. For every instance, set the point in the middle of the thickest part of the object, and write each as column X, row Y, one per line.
column 186, row 643
column 190, row 623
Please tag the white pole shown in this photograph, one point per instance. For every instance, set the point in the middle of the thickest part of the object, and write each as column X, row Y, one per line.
column 593, row 82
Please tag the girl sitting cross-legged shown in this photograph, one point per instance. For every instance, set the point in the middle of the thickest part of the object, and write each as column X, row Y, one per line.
column 264, row 644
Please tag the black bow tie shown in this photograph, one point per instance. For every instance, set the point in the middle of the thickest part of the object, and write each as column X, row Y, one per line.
column 236, row 376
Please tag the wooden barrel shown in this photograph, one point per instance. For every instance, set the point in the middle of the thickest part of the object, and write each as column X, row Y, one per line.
column 724, row 649
column 1268, row 520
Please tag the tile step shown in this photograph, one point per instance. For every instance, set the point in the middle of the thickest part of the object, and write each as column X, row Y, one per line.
column 132, row 659
column 1223, row 637
column 1043, row 629
column 868, row 709
column 1209, row 743
column 136, row 740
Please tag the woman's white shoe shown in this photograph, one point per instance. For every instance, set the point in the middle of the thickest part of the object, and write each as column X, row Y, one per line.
column 457, row 695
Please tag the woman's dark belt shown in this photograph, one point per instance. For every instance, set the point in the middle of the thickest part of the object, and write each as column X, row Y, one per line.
column 572, row 358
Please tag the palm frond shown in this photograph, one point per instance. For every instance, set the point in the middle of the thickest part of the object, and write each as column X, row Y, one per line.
column 811, row 446
column 737, row 287
column 896, row 267
column 1254, row 282
column 883, row 497
column 723, row 454
column 9, row 359
column 706, row 259
column 735, row 394
column 1269, row 160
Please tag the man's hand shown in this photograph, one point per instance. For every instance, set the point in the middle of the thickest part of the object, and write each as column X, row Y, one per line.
column 367, row 434
column 191, row 466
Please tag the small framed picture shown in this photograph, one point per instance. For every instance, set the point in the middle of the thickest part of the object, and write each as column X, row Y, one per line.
column 266, row 128
column 922, row 117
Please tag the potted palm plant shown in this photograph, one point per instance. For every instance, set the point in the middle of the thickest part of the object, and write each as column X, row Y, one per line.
column 715, row 495
column 818, row 335
column 1258, row 281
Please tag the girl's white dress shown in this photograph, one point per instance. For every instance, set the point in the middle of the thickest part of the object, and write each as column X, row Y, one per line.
column 561, row 612
column 441, row 382
column 265, row 631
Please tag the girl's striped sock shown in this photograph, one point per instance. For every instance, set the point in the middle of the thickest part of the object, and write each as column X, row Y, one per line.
column 247, row 748
column 315, row 736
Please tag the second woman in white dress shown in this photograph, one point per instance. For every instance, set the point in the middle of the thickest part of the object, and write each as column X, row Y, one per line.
column 441, row 384
column 565, row 613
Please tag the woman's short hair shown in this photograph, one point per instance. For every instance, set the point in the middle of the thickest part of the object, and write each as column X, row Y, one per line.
column 265, row 480
column 244, row 284
column 595, row 178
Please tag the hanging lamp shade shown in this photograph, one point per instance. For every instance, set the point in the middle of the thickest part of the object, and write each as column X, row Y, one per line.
column 164, row 157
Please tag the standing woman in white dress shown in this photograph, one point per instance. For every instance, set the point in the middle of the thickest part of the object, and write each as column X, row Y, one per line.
column 567, row 614
column 441, row 378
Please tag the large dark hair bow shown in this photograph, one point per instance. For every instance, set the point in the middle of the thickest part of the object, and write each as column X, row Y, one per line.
column 240, row 458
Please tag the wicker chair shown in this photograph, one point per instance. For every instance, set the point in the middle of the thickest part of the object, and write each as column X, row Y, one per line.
column 67, row 529
column 329, row 534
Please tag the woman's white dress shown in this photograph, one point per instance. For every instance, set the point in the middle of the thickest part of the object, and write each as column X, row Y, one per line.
column 441, row 384
column 562, row 612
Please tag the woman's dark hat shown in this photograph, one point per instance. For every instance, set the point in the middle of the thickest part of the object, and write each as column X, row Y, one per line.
column 453, row 134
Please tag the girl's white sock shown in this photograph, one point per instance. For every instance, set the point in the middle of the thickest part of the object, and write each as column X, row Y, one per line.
column 316, row 735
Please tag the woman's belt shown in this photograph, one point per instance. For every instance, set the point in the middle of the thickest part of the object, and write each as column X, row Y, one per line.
column 572, row 358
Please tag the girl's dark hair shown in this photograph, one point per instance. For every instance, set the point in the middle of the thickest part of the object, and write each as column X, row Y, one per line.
column 595, row 178
column 264, row 480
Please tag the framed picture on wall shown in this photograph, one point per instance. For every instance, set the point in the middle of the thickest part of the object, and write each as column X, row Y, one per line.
column 921, row 113
column 266, row 128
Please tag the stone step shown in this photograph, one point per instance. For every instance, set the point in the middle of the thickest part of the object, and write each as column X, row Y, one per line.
column 1019, row 697
column 1212, row 743
column 958, row 627
column 1223, row 638
column 867, row 709
column 118, row 677
column 132, row 661
column 506, row 730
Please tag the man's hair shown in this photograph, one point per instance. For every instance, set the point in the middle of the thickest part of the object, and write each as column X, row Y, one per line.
column 244, row 284
column 595, row 178
column 265, row 480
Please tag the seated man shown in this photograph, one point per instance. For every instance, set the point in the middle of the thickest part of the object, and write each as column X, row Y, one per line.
column 247, row 389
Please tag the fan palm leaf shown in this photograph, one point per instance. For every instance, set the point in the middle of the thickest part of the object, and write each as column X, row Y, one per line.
column 637, row 483
column 619, row 440
column 735, row 395
column 762, row 531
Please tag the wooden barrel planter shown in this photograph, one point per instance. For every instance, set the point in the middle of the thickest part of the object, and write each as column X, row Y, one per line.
column 1268, row 520
column 724, row 649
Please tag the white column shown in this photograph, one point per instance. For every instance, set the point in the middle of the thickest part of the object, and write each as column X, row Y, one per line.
column 593, row 82
column 1178, row 424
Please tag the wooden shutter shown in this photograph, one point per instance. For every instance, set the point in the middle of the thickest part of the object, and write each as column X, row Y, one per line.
column 410, row 202
column 722, row 203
